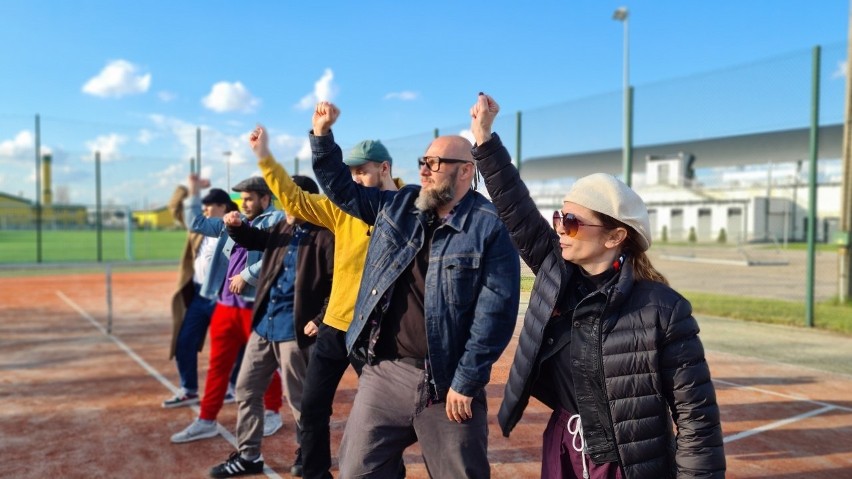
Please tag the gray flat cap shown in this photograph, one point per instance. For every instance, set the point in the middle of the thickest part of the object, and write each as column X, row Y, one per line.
column 254, row 183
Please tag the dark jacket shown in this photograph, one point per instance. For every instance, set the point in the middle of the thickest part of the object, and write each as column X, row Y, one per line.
column 472, row 282
column 643, row 364
column 315, row 262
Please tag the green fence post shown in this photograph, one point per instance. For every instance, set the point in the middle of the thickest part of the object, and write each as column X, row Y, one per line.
column 38, row 187
column 98, row 220
column 518, row 140
column 812, row 184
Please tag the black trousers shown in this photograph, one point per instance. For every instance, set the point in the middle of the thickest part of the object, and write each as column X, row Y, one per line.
column 326, row 366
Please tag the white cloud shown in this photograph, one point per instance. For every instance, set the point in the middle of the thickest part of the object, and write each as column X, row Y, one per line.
column 226, row 97
column 287, row 147
column 145, row 136
column 324, row 90
column 466, row 133
column 404, row 95
column 21, row 147
column 842, row 70
column 107, row 145
column 166, row 96
column 117, row 79
column 23, row 143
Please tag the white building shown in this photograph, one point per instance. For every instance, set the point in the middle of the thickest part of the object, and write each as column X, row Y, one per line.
column 752, row 186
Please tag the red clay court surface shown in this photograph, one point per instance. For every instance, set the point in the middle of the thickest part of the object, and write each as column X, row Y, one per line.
column 79, row 403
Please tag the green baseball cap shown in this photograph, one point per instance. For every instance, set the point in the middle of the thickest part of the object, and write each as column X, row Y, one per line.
column 368, row 150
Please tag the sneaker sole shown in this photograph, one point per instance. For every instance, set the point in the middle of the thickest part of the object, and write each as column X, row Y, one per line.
column 269, row 433
column 206, row 435
column 191, row 402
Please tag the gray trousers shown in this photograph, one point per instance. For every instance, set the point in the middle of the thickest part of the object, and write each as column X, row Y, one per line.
column 390, row 413
column 261, row 359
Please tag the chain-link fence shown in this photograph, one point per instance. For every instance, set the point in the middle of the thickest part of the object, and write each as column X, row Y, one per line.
column 721, row 150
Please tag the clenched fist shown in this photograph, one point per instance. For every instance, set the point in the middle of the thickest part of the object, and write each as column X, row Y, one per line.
column 325, row 114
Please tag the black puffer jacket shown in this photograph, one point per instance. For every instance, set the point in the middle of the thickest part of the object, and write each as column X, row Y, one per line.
column 644, row 344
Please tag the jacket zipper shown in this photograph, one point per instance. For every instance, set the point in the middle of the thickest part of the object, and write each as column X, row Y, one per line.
column 603, row 381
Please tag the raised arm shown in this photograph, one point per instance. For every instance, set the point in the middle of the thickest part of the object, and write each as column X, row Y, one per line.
column 316, row 209
column 254, row 239
column 333, row 176
column 531, row 234
column 195, row 220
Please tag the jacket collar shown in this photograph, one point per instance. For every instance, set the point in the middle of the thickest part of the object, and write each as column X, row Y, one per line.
column 458, row 216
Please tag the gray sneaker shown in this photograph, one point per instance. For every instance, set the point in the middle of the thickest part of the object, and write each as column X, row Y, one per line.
column 198, row 429
column 272, row 422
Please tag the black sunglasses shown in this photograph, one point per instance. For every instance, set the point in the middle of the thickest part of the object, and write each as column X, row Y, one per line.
column 434, row 162
column 569, row 223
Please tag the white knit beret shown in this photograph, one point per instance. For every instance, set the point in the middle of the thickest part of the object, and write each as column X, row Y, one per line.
column 606, row 194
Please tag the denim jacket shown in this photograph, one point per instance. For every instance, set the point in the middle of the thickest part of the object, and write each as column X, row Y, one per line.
column 472, row 284
column 215, row 227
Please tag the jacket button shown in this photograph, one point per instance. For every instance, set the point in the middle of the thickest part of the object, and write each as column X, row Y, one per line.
column 549, row 341
column 576, row 324
column 373, row 292
column 575, row 362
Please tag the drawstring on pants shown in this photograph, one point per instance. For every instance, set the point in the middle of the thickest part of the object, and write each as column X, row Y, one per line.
column 576, row 431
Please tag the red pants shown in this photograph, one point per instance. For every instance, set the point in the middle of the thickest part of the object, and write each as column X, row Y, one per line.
column 229, row 331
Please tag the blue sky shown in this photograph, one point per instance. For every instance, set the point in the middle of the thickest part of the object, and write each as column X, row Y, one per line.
column 134, row 80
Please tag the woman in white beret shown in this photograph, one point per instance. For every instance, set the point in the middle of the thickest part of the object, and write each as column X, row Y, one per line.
column 606, row 343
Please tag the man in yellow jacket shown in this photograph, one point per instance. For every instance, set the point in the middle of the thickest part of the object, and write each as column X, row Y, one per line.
column 370, row 164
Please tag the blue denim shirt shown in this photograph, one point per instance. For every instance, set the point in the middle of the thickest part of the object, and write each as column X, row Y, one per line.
column 215, row 227
column 472, row 281
column 276, row 319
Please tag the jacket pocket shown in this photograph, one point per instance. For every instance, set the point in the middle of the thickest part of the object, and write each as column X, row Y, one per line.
column 462, row 279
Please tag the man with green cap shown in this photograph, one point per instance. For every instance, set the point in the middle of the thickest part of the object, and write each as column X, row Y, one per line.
column 370, row 165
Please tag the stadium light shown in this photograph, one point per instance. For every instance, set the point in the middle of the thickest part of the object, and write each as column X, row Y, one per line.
column 621, row 14
column 227, row 155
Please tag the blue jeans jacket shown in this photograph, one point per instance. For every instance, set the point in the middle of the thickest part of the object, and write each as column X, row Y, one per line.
column 215, row 227
column 472, row 282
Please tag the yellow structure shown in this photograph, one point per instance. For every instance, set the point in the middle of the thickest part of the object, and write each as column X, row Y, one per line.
column 159, row 218
column 17, row 212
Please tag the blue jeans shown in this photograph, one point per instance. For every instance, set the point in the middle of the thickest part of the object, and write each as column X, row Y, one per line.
column 328, row 362
column 196, row 320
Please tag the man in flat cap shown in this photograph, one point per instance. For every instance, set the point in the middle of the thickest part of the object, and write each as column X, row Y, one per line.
column 231, row 281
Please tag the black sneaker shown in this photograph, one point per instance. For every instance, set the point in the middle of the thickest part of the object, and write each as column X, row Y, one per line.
column 180, row 400
column 237, row 466
column 296, row 470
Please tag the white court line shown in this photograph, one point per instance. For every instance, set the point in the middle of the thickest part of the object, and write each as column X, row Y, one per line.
column 777, row 424
column 154, row 373
column 786, row 396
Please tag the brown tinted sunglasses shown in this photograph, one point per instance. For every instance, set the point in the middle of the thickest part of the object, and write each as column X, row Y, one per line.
column 569, row 223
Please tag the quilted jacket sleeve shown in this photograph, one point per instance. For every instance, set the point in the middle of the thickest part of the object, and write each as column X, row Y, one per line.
column 691, row 397
column 531, row 234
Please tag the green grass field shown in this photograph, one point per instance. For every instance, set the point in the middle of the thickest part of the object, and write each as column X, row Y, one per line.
column 81, row 246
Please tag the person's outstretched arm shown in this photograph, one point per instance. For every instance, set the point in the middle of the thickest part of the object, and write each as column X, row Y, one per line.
column 531, row 234
column 253, row 239
column 195, row 220
column 333, row 176
column 313, row 208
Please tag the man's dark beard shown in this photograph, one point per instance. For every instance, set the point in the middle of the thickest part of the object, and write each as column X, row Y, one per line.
column 434, row 198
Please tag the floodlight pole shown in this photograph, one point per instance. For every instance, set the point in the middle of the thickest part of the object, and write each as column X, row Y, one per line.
column 622, row 15
column 228, row 167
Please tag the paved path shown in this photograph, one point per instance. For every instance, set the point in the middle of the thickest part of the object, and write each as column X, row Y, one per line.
column 767, row 281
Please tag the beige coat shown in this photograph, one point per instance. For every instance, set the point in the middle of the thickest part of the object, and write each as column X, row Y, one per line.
column 184, row 292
